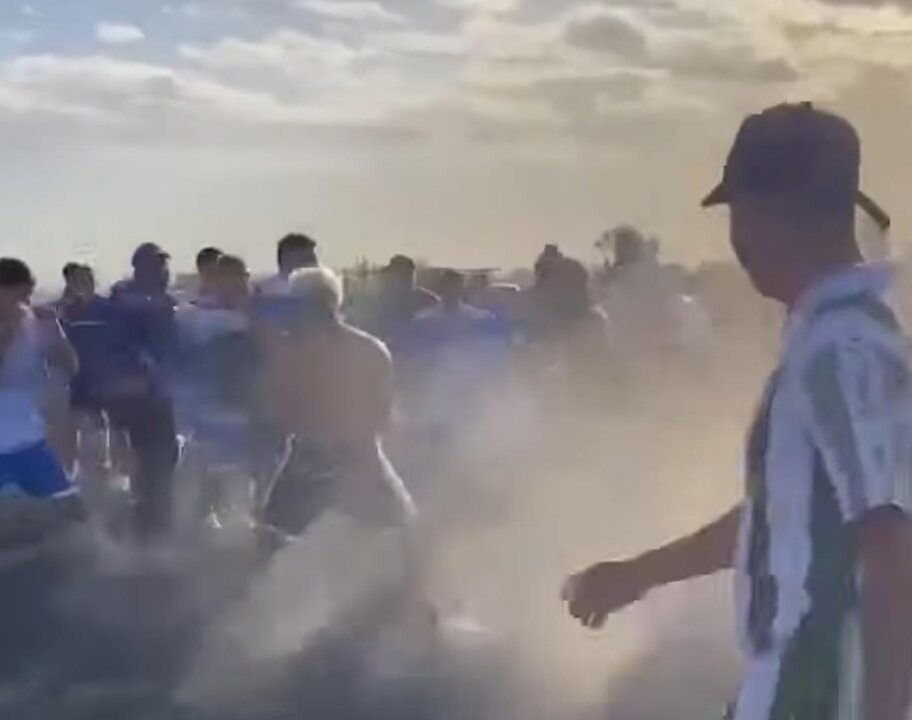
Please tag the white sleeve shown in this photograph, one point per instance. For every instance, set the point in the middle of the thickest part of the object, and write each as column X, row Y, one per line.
column 859, row 397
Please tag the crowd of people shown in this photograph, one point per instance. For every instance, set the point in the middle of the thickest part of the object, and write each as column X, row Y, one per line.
column 267, row 381
column 286, row 388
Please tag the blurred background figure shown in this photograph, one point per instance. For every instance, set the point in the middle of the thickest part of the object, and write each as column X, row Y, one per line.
column 139, row 393
column 206, row 273
column 397, row 301
column 295, row 251
column 87, row 321
column 220, row 360
column 647, row 303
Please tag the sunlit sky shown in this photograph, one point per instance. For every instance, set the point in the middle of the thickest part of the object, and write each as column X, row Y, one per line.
column 470, row 132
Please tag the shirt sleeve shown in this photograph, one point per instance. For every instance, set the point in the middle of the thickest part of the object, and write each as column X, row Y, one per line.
column 859, row 397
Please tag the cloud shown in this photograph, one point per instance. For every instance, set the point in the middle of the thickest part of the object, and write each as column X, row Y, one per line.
column 352, row 10
column 601, row 31
column 730, row 64
column 488, row 7
column 118, row 34
column 281, row 49
column 870, row 3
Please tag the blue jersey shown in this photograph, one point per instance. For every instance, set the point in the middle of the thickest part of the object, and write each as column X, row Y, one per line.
column 91, row 327
column 144, row 331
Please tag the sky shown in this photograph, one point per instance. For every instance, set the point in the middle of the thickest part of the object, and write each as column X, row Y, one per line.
column 467, row 132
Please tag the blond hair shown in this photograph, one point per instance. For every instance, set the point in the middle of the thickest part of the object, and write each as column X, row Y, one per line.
column 318, row 286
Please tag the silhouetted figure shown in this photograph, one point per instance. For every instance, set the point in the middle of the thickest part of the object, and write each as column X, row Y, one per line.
column 89, row 325
column 399, row 300
column 220, row 359
column 207, row 269
column 139, row 394
column 294, row 252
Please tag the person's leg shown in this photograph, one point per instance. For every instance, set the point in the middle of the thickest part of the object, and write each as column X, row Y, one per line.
column 149, row 423
column 295, row 498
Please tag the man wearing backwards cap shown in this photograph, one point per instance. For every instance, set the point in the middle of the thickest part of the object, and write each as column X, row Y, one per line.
column 822, row 543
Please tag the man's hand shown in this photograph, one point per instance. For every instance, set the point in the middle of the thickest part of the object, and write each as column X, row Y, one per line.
column 604, row 589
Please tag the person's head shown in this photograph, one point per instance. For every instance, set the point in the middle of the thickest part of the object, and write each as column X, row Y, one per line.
column 151, row 267
column 295, row 252
column 16, row 284
column 546, row 261
column 630, row 246
column 231, row 280
column 207, row 261
column 401, row 273
column 570, row 288
column 791, row 182
column 79, row 279
column 451, row 288
column 319, row 290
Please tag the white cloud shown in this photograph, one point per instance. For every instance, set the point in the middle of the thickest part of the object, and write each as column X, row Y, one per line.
column 112, row 33
column 491, row 7
column 284, row 51
column 361, row 11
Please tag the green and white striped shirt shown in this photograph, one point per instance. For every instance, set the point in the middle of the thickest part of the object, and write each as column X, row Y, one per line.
column 832, row 442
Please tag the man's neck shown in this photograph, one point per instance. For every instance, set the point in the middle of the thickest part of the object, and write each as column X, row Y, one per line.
column 13, row 316
column 147, row 287
column 807, row 281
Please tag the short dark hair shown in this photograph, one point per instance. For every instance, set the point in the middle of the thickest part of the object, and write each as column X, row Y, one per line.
column 232, row 263
column 451, row 279
column 296, row 242
column 208, row 256
column 15, row 273
column 71, row 268
column 401, row 263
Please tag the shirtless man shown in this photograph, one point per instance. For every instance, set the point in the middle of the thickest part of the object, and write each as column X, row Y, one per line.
column 31, row 343
column 337, row 415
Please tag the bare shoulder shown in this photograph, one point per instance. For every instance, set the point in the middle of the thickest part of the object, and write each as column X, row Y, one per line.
column 367, row 345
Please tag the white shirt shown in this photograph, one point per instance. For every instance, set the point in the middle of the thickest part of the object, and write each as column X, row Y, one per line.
column 23, row 376
column 277, row 285
column 200, row 323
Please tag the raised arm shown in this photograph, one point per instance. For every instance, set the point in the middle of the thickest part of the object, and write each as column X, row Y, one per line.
column 603, row 589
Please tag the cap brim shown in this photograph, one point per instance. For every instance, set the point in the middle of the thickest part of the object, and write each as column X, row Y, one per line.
column 721, row 196
column 718, row 196
column 874, row 211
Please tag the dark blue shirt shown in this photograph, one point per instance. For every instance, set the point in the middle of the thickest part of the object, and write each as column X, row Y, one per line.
column 90, row 326
column 144, row 330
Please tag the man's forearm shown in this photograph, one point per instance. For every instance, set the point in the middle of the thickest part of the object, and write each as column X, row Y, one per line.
column 705, row 552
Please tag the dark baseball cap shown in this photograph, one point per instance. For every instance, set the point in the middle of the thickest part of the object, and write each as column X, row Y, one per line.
column 149, row 251
column 797, row 149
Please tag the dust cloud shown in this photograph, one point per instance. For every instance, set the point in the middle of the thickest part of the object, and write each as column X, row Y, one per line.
column 548, row 478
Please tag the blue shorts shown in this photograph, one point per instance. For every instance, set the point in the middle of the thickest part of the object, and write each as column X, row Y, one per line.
column 35, row 471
